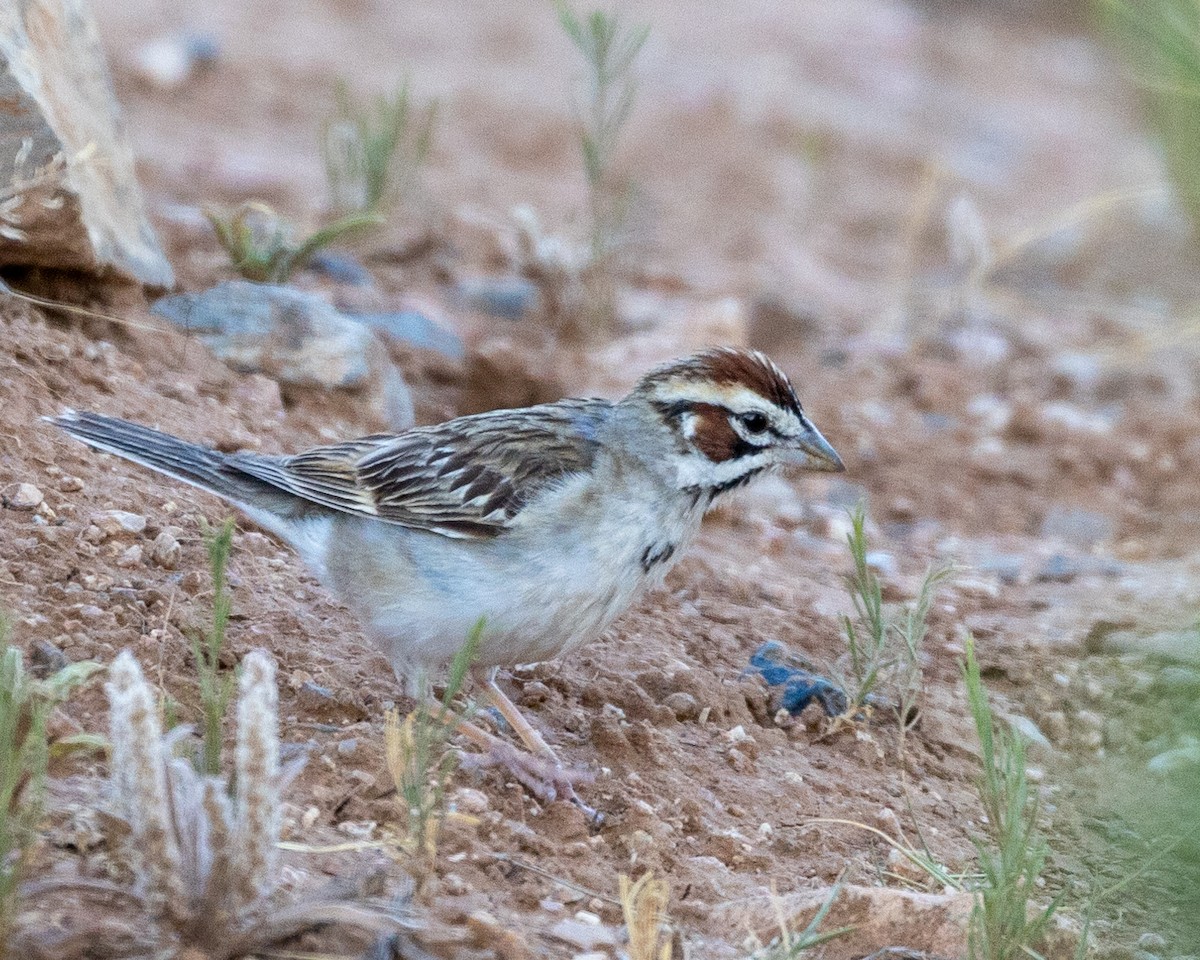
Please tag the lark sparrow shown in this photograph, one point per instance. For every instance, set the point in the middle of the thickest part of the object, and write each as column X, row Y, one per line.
column 547, row 522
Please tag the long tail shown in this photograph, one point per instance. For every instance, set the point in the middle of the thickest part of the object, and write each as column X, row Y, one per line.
column 192, row 463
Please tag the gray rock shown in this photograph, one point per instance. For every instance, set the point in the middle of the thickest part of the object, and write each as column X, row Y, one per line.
column 1005, row 566
column 1028, row 731
column 71, row 199
column 882, row 563
column 1077, row 527
column 1078, row 372
column 342, row 267
column 1059, row 569
column 683, row 705
column 294, row 337
column 45, row 659
column 1182, row 646
column 413, row 328
column 510, row 298
column 1173, row 680
column 168, row 62
column 1178, row 758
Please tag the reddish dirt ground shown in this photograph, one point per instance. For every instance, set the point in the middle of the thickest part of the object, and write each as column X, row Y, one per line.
column 808, row 155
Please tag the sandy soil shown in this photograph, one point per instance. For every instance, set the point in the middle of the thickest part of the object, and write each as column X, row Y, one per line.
column 813, row 156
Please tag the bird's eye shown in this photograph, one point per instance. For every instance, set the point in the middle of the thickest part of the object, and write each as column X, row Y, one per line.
column 755, row 422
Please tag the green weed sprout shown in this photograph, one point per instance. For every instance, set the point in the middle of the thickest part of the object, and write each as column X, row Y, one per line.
column 790, row 945
column 1012, row 852
column 216, row 689
column 884, row 647
column 419, row 757
column 1161, row 39
column 25, row 706
column 609, row 49
column 260, row 244
column 374, row 149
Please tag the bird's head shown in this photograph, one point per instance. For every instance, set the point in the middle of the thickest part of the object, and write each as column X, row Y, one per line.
column 733, row 414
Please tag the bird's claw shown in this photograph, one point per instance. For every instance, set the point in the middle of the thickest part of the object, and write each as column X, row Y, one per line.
column 543, row 777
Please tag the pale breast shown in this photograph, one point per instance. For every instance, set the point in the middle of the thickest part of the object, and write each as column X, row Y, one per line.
column 571, row 565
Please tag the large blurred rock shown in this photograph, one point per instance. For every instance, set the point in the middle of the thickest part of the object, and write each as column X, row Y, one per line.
column 69, row 199
column 294, row 337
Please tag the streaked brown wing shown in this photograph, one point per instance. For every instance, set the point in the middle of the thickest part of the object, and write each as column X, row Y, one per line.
column 468, row 477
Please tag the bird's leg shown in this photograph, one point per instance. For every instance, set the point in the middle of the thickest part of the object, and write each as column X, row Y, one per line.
column 513, row 716
column 540, row 770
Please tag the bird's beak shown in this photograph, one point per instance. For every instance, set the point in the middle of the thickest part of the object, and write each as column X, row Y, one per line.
column 811, row 451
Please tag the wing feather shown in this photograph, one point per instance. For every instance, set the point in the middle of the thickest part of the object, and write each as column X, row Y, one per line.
column 468, row 477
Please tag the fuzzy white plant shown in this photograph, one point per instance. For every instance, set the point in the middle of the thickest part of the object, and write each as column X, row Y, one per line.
column 140, row 787
column 198, row 856
column 258, row 810
column 204, row 864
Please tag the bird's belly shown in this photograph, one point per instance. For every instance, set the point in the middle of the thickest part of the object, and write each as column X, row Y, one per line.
column 539, row 591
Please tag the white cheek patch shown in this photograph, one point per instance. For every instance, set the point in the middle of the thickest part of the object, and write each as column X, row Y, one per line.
column 688, row 424
column 696, row 470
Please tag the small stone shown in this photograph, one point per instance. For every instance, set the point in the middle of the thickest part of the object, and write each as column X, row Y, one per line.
column 166, row 551
column 1179, row 758
column 1028, row 731
column 1091, row 739
column 45, row 659
column 347, row 748
column 882, row 563
column 163, row 63
column 131, row 557
column 510, row 298
column 69, row 484
column 738, row 735
column 613, row 711
column 1093, row 690
column 26, row 497
column 1178, row 679
column 413, row 328
column 113, row 523
column 1151, row 941
column 360, row 830
column 313, row 696
column 1006, row 567
column 1089, row 720
column 685, row 706
column 1059, row 569
column 341, row 267
column 469, row 800
column 583, row 934
column 1057, row 728
column 1077, row 527
column 454, row 885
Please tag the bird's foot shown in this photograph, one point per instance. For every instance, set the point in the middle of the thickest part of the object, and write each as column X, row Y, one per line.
column 546, row 778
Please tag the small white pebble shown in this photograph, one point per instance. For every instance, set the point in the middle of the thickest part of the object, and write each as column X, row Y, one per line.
column 469, row 800
column 26, row 497
column 584, row 916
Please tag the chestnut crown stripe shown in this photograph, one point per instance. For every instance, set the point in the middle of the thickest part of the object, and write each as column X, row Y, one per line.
column 728, row 367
